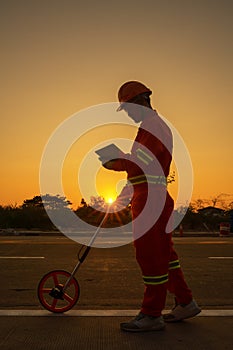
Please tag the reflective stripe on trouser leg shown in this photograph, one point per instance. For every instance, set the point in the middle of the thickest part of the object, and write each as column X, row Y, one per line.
column 175, row 264
column 177, row 284
column 155, row 280
column 154, row 295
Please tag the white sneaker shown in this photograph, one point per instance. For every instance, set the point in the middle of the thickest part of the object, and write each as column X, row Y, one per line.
column 180, row 312
column 143, row 323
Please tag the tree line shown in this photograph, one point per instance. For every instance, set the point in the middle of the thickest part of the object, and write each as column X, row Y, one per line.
column 32, row 214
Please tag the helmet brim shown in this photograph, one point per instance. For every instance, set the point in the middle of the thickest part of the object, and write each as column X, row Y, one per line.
column 121, row 106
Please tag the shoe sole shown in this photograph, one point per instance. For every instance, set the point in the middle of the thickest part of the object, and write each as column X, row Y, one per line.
column 137, row 330
column 172, row 320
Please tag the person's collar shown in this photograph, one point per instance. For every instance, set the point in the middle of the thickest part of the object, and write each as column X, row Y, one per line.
column 150, row 113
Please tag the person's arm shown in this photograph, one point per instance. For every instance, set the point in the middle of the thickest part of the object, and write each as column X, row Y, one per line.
column 119, row 164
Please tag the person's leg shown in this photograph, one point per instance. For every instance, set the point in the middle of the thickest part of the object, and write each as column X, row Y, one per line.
column 152, row 254
column 176, row 283
column 185, row 306
column 155, row 277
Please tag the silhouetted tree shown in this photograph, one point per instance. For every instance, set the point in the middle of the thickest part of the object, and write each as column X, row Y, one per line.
column 55, row 202
column 83, row 203
column 35, row 202
column 97, row 202
column 171, row 178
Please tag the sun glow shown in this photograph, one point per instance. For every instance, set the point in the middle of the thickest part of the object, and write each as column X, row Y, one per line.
column 109, row 200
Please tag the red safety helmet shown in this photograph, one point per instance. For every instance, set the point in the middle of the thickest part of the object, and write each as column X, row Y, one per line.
column 129, row 90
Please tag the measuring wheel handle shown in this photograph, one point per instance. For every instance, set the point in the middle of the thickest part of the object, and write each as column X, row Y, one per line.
column 58, row 291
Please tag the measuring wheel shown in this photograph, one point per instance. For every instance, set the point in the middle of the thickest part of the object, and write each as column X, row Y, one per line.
column 58, row 291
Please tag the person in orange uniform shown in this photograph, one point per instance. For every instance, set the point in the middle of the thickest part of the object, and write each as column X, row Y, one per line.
column 147, row 168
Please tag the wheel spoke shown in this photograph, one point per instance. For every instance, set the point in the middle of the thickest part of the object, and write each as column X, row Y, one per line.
column 68, row 298
column 53, row 306
column 55, row 278
column 46, row 290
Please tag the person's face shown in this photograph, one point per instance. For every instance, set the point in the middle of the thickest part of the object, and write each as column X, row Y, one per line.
column 136, row 109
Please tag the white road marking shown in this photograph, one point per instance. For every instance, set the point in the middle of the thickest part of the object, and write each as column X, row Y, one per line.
column 220, row 257
column 103, row 313
column 22, row 257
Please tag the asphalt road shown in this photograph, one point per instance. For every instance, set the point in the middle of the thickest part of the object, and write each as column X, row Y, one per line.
column 110, row 278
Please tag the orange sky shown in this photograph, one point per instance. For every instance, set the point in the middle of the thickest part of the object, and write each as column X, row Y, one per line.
column 59, row 57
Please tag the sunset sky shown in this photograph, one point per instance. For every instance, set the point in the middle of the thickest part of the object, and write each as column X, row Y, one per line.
column 60, row 57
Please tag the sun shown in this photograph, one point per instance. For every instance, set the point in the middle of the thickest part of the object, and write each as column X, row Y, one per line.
column 110, row 200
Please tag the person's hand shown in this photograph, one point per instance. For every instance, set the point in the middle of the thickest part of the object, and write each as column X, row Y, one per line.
column 108, row 164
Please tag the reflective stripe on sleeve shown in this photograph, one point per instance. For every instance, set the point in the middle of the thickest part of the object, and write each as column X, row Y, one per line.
column 143, row 156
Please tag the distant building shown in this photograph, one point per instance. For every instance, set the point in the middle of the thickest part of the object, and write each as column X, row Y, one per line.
column 229, row 214
column 211, row 211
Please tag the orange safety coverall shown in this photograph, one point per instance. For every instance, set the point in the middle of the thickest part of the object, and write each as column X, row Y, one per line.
column 147, row 167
